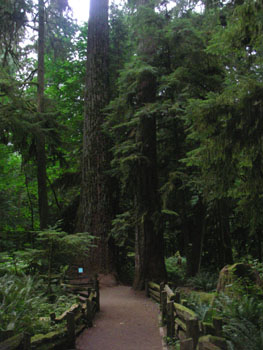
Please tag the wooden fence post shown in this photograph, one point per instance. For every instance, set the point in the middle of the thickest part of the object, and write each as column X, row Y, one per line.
column 71, row 329
column 5, row 335
column 89, row 313
column 53, row 318
column 218, row 325
column 26, row 341
column 170, row 320
column 162, row 285
column 164, row 306
column 192, row 331
column 97, row 289
column 177, row 297
column 147, row 288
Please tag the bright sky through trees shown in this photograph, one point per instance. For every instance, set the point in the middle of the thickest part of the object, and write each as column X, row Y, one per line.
column 80, row 8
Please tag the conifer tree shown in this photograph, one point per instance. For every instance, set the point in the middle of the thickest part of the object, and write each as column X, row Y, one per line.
column 149, row 249
column 40, row 140
column 59, row 7
column 95, row 208
column 227, row 123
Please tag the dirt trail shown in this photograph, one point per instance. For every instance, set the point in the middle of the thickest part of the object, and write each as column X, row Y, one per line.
column 127, row 321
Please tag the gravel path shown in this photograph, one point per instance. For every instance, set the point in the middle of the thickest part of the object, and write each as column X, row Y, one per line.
column 127, row 321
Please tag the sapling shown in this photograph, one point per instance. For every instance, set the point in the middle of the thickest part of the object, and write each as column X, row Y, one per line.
column 55, row 243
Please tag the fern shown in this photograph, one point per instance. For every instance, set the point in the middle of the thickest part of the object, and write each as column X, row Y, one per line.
column 204, row 281
column 203, row 308
column 18, row 300
column 243, row 321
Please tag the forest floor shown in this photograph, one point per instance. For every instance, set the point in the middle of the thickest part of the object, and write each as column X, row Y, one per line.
column 127, row 321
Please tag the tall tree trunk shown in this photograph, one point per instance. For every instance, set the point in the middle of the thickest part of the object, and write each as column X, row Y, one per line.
column 224, row 232
column 96, row 203
column 193, row 237
column 40, row 138
column 149, row 250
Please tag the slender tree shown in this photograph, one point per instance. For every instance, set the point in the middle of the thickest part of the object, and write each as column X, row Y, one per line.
column 49, row 13
column 95, row 209
column 149, row 250
column 40, row 140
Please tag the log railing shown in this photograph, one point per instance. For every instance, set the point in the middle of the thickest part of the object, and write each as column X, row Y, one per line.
column 182, row 323
column 77, row 317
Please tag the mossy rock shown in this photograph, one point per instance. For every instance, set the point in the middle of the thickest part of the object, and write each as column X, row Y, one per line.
column 238, row 272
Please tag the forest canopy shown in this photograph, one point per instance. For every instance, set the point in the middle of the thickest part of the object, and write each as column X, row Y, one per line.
column 143, row 138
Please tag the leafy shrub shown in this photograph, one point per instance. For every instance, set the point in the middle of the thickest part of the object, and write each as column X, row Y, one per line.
column 176, row 269
column 254, row 263
column 204, row 280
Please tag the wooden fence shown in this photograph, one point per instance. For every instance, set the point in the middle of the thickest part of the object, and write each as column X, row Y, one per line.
column 77, row 317
column 182, row 323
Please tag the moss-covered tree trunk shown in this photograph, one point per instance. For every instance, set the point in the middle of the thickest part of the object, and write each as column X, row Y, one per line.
column 96, row 208
column 149, row 250
column 40, row 138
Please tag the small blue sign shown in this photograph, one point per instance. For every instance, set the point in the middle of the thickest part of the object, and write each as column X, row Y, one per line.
column 80, row 270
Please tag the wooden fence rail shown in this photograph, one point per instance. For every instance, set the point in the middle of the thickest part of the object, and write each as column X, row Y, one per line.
column 182, row 323
column 77, row 317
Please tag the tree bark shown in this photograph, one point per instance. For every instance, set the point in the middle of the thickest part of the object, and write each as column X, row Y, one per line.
column 40, row 138
column 149, row 246
column 96, row 203
column 194, row 236
column 226, row 254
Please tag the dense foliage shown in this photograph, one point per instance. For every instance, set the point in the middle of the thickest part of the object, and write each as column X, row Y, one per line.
column 25, row 308
column 185, row 95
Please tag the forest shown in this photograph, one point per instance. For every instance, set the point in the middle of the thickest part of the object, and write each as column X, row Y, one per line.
column 131, row 145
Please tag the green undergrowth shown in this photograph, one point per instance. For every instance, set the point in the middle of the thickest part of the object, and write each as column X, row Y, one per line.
column 202, row 304
column 243, row 317
column 173, row 344
column 204, row 280
column 25, row 305
column 240, row 306
column 242, row 312
column 176, row 269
